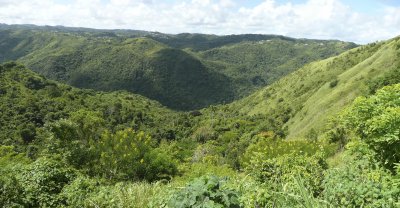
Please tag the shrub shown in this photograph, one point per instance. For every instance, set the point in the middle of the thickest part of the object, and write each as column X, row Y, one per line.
column 68, row 140
column 252, row 193
column 10, row 64
column 204, row 134
column 269, row 148
column 11, row 191
column 376, row 120
column 129, row 155
column 360, row 183
column 333, row 83
column 35, row 83
column 89, row 192
column 389, row 78
column 28, row 133
column 43, row 181
column 283, row 169
column 207, row 191
column 78, row 192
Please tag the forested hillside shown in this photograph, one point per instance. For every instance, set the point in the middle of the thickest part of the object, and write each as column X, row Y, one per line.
column 184, row 72
column 30, row 101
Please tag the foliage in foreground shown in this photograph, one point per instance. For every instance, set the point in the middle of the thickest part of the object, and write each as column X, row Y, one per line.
column 376, row 120
column 82, row 160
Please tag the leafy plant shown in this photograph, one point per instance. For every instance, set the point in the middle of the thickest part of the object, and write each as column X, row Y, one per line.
column 43, row 181
column 376, row 120
column 207, row 191
column 360, row 183
column 281, row 169
column 129, row 155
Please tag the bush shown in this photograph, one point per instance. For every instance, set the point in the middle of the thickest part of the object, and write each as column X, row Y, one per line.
column 11, row 191
column 360, row 183
column 376, row 120
column 43, row 181
column 89, row 192
column 252, row 193
column 204, row 133
column 283, row 169
column 28, row 133
column 268, row 148
column 35, row 83
column 389, row 78
column 10, row 64
column 78, row 192
column 68, row 140
column 207, row 191
column 333, row 83
column 130, row 155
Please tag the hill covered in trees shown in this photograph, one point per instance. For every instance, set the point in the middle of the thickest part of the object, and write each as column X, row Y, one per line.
column 184, row 72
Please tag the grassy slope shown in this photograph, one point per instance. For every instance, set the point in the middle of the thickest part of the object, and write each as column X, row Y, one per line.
column 307, row 96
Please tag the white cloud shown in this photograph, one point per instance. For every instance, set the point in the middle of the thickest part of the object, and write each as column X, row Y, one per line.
column 324, row 19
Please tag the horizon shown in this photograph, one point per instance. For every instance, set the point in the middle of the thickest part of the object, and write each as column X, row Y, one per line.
column 194, row 33
column 354, row 21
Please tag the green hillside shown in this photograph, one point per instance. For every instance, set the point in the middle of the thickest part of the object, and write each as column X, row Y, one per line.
column 184, row 72
column 306, row 99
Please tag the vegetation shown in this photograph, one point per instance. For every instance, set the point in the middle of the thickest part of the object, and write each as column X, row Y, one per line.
column 327, row 135
column 305, row 100
column 183, row 72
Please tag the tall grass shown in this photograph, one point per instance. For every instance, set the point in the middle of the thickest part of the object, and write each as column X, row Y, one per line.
column 133, row 195
column 297, row 195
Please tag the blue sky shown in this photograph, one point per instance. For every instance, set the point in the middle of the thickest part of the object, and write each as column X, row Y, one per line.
column 360, row 21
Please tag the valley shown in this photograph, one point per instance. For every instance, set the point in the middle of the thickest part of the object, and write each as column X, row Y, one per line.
column 129, row 118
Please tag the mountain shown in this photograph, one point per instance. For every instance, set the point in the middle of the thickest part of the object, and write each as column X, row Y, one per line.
column 305, row 100
column 184, row 71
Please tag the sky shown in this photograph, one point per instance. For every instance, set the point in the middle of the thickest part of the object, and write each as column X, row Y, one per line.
column 360, row 21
